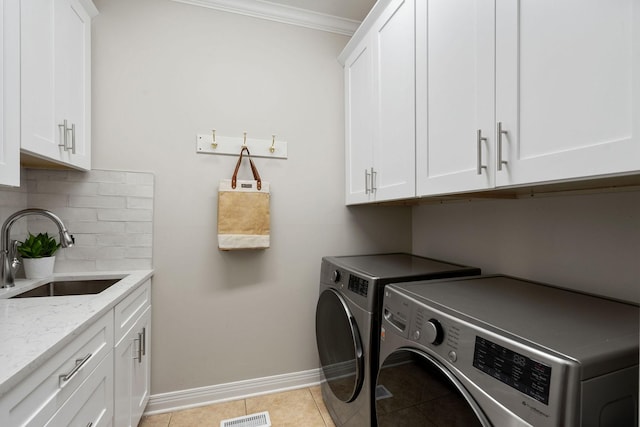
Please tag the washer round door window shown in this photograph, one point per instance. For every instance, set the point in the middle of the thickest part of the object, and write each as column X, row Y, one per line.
column 339, row 346
column 415, row 390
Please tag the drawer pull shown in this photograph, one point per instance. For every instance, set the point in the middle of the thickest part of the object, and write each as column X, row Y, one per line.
column 62, row 379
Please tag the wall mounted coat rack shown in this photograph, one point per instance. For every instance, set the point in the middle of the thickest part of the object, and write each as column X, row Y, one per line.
column 227, row 145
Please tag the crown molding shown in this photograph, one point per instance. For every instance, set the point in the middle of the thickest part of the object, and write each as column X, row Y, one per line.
column 280, row 13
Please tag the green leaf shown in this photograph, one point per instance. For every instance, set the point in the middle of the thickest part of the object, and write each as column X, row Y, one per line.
column 38, row 246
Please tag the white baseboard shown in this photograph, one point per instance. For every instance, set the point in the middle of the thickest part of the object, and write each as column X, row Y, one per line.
column 184, row 399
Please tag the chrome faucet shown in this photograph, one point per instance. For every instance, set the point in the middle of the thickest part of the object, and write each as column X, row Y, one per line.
column 8, row 247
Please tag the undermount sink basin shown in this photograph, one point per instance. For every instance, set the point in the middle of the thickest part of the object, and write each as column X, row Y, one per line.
column 68, row 287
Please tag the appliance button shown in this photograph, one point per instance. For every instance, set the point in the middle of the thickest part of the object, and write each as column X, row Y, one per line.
column 416, row 335
column 453, row 356
column 434, row 332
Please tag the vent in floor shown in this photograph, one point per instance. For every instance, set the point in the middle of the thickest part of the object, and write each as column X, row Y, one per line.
column 261, row 419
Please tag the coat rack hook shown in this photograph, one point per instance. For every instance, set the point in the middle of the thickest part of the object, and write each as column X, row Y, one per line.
column 244, row 143
column 214, row 144
column 272, row 149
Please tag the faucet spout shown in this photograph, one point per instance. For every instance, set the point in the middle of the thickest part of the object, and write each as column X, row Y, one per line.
column 7, row 249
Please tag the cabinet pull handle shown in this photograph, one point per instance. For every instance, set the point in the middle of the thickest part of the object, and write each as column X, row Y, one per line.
column 62, row 379
column 144, row 341
column 366, row 182
column 73, row 138
column 64, row 130
column 500, row 133
column 480, row 140
column 374, row 174
column 138, row 356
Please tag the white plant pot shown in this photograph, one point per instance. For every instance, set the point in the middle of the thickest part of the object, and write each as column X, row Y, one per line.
column 38, row 268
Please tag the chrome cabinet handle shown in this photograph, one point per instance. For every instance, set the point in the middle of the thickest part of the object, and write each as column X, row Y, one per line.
column 73, row 138
column 500, row 133
column 144, row 341
column 366, row 182
column 63, row 129
column 138, row 356
column 374, row 175
column 62, row 379
column 480, row 140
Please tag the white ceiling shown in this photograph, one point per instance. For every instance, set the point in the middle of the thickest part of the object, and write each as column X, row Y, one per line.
column 350, row 9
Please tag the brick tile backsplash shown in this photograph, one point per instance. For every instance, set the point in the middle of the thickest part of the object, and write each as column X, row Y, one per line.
column 110, row 214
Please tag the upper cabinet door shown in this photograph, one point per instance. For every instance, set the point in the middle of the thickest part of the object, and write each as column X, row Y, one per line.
column 567, row 89
column 10, row 94
column 394, row 77
column 73, row 71
column 55, row 80
column 379, row 67
column 359, row 122
column 454, row 96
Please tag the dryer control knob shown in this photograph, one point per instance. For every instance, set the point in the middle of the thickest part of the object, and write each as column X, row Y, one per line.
column 433, row 332
column 335, row 276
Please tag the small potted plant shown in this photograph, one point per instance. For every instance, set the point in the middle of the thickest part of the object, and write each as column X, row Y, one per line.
column 37, row 254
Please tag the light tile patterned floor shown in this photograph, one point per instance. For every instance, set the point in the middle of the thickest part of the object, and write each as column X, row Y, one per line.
column 295, row 408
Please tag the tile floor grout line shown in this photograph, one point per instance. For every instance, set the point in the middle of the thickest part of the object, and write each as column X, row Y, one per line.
column 315, row 402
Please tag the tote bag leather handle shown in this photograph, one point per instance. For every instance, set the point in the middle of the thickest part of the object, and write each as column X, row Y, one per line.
column 254, row 170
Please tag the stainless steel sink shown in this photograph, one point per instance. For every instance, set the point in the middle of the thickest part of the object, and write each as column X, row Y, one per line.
column 68, row 287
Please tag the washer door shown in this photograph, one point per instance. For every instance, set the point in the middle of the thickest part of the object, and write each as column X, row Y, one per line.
column 339, row 346
column 413, row 389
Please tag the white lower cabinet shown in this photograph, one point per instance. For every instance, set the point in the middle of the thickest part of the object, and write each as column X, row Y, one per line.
column 132, row 373
column 132, row 356
column 100, row 379
column 38, row 399
column 92, row 403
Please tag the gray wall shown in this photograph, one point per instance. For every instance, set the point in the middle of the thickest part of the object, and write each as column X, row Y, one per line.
column 164, row 72
column 589, row 242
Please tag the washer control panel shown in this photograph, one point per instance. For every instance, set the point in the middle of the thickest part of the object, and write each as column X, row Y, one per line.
column 516, row 370
column 427, row 329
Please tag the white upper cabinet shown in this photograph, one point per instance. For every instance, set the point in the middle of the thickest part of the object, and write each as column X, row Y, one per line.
column 358, row 74
column 567, row 89
column 510, row 93
column 380, row 106
column 10, row 90
column 56, row 80
column 454, row 96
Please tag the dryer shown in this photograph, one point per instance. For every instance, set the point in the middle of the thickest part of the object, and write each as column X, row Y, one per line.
column 500, row 351
column 348, row 325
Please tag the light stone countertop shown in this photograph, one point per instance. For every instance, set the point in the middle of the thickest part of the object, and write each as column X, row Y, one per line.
column 34, row 329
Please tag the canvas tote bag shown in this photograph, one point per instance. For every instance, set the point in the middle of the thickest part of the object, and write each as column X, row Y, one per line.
column 243, row 211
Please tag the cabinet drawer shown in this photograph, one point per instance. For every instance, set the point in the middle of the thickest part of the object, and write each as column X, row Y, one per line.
column 36, row 399
column 129, row 310
column 92, row 402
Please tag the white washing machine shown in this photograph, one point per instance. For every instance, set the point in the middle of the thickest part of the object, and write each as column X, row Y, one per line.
column 348, row 325
column 499, row 351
